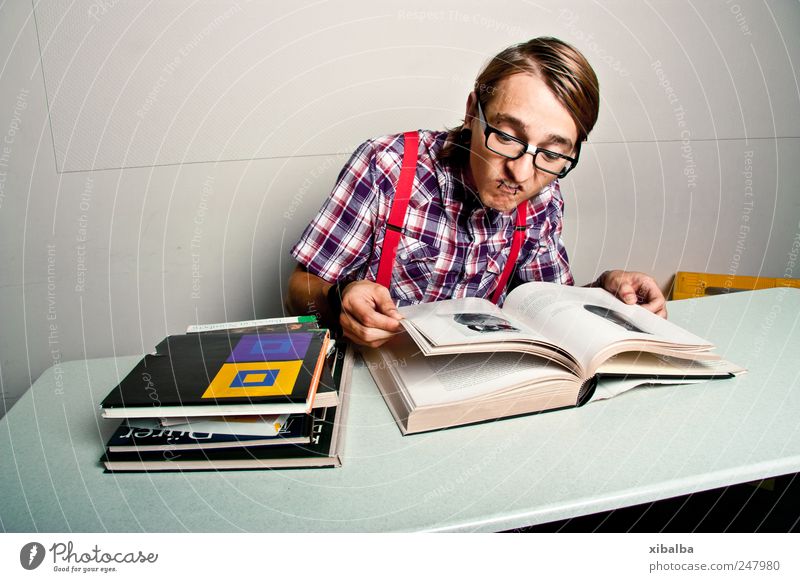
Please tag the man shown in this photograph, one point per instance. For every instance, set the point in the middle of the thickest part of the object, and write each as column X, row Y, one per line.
column 469, row 190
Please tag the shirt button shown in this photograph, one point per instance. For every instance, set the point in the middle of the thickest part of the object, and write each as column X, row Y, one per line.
column 403, row 256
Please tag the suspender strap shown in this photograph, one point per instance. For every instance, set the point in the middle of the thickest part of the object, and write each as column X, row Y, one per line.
column 397, row 215
column 516, row 244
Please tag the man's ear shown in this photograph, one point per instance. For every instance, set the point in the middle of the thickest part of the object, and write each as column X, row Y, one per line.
column 472, row 108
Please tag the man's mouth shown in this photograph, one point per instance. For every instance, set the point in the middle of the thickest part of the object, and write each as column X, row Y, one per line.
column 508, row 188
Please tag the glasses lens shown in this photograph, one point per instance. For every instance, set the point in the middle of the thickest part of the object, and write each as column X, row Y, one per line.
column 550, row 162
column 504, row 146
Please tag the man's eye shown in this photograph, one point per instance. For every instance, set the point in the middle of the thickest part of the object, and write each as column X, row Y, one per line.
column 502, row 138
column 552, row 156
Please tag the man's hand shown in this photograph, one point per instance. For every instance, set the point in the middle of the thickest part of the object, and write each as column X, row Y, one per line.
column 369, row 316
column 633, row 287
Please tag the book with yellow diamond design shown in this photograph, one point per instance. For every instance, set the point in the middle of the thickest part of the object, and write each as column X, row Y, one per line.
column 214, row 374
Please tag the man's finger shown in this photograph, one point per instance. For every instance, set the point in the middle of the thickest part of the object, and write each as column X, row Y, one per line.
column 651, row 297
column 648, row 290
column 655, row 306
column 387, row 307
column 362, row 309
column 658, row 306
column 363, row 335
column 627, row 293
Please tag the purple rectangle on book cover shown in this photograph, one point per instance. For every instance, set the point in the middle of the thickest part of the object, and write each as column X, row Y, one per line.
column 271, row 347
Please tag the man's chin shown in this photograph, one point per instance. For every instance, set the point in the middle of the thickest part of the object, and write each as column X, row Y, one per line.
column 502, row 202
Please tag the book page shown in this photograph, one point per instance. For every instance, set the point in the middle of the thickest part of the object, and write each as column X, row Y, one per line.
column 469, row 320
column 435, row 380
column 255, row 425
column 252, row 323
column 586, row 321
column 647, row 364
column 610, row 387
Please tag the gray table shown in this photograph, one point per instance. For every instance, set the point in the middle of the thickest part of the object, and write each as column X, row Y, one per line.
column 642, row 446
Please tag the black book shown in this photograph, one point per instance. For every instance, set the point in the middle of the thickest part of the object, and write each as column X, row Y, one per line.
column 321, row 451
column 227, row 373
column 148, row 435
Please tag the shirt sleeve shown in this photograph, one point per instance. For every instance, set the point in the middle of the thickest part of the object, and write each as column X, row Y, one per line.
column 338, row 241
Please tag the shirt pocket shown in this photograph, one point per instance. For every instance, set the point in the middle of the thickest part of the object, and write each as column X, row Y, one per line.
column 492, row 272
column 493, row 266
column 414, row 266
column 529, row 260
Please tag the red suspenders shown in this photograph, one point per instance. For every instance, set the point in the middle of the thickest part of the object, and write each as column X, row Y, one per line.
column 397, row 218
column 397, row 215
column 516, row 244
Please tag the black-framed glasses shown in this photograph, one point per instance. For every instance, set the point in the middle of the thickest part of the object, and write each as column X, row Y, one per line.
column 512, row 148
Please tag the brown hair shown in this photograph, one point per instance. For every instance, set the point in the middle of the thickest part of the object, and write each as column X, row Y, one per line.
column 563, row 68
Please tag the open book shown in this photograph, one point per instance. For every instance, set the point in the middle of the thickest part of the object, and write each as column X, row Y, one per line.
column 550, row 346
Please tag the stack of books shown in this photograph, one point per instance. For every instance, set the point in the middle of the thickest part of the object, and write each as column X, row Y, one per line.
column 248, row 395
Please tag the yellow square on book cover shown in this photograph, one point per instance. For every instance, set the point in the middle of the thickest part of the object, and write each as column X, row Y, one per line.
column 252, row 379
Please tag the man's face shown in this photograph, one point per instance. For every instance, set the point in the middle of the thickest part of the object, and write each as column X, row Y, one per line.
column 522, row 106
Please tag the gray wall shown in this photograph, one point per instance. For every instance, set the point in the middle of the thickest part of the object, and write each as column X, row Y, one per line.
column 158, row 159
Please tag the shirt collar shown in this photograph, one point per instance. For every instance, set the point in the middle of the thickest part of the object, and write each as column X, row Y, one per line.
column 465, row 191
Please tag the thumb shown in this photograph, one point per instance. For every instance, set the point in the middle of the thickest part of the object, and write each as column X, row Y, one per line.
column 627, row 293
column 385, row 304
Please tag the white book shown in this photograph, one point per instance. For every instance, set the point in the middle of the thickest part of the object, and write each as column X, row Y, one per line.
column 466, row 360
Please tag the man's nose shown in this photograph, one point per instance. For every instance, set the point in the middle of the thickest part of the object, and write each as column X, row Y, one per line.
column 520, row 169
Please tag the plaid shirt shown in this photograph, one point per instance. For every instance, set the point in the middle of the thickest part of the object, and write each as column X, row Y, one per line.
column 452, row 246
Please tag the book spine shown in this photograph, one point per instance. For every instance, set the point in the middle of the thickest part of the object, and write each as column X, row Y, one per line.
column 251, row 323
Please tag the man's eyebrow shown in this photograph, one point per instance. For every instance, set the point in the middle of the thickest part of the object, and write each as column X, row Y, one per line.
column 559, row 140
column 511, row 120
column 519, row 125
